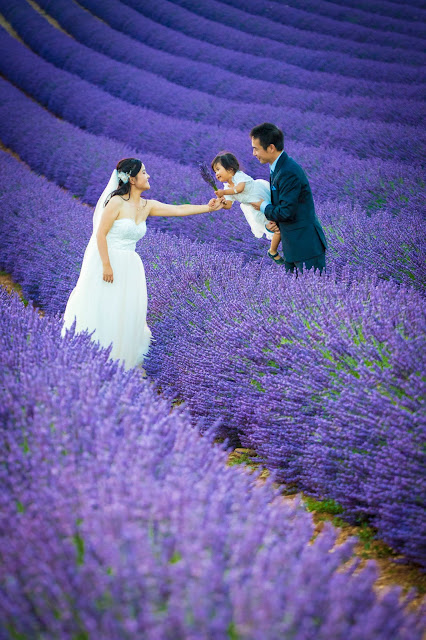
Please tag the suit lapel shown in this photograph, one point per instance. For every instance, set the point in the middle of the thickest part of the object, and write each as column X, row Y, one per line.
column 278, row 168
column 273, row 177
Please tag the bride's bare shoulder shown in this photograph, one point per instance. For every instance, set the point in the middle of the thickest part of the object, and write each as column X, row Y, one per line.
column 150, row 204
column 114, row 202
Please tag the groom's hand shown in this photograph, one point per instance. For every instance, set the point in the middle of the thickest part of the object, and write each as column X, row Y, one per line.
column 256, row 205
column 272, row 226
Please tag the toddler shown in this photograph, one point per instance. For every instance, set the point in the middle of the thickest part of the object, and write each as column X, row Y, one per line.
column 241, row 187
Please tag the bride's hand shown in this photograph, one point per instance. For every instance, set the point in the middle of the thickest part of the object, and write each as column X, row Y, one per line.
column 215, row 204
column 108, row 274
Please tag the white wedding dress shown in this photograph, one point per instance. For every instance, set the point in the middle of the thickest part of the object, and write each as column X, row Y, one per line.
column 254, row 191
column 115, row 312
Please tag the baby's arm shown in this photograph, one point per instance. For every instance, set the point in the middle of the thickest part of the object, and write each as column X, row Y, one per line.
column 232, row 191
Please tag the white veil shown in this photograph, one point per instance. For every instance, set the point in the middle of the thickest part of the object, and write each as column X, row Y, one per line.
column 92, row 247
column 111, row 186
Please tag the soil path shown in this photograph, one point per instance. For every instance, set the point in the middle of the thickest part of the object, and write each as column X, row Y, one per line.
column 394, row 569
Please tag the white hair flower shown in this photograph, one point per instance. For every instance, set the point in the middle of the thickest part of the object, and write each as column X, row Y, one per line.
column 124, row 177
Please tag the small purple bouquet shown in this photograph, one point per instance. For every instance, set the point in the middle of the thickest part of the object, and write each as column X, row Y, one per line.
column 206, row 174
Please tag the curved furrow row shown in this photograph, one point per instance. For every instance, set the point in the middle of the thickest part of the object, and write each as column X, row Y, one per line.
column 252, row 328
column 369, row 13
column 383, row 8
column 61, row 91
column 218, row 12
column 205, row 48
column 117, row 520
column 203, row 77
column 325, row 12
column 54, row 148
column 392, row 246
column 238, row 41
column 374, row 184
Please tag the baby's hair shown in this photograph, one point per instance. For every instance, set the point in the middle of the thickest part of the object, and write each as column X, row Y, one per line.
column 227, row 160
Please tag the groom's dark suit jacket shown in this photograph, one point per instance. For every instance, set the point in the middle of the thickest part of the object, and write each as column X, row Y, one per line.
column 292, row 208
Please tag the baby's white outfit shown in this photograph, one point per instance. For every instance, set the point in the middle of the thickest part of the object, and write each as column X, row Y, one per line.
column 254, row 191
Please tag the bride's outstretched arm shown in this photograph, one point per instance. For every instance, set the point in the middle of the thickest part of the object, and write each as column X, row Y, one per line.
column 161, row 209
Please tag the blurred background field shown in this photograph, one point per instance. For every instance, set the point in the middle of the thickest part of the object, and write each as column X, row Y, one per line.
column 117, row 519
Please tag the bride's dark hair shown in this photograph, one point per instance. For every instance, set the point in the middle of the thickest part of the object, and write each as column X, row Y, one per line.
column 131, row 166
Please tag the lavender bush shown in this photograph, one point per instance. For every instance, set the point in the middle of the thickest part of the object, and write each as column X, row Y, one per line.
column 374, row 184
column 208, row 78
column 48, row 268
column 350, row 23
column 377, row 11
column 389, row 392
column 106, row 530
column 190, row 18
column 80, row 161
column 252, row 330
column 100, row 112
column 322, row 376
column 133, row 23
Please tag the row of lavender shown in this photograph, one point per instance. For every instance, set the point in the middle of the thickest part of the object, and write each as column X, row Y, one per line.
column 102, row 491
column 80, row 162
column 318, row 357
column 381, row 15
column 373, row 183
column 157, row 36
column 383, row 31
column 171, row 120
column 165, row 372
column 205, row 77
column 366, row 10
column 414, row 10
column 231, row 29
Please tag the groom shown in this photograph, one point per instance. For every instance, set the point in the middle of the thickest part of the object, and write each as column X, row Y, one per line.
column 291, row 210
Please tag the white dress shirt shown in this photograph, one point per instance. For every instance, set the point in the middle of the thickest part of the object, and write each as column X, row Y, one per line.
column 272, row 168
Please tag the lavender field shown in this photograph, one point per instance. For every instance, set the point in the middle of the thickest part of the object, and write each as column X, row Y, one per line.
column 119, row 515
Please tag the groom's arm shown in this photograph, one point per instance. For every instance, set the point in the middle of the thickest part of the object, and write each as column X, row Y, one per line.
column 289, row 188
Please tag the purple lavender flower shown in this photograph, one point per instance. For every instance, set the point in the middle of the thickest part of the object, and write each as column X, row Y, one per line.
column 374, row 15
column 208, row 78
column 206, row 175
column 117, row 520
column 322, row 376
column 194, row 36
column 213, row 25
column 366, row 139
column 333, row 173
column 318, row 21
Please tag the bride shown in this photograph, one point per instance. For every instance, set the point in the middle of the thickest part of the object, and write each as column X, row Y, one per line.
column 110, row 297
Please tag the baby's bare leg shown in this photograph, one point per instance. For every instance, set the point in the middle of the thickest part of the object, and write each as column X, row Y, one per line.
column 275, row 242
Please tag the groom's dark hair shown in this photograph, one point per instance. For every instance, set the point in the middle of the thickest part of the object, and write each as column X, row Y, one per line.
column 267, row 134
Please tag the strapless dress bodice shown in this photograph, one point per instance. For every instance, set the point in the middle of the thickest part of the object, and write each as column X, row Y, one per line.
column 113, row 313
column 125, row 233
